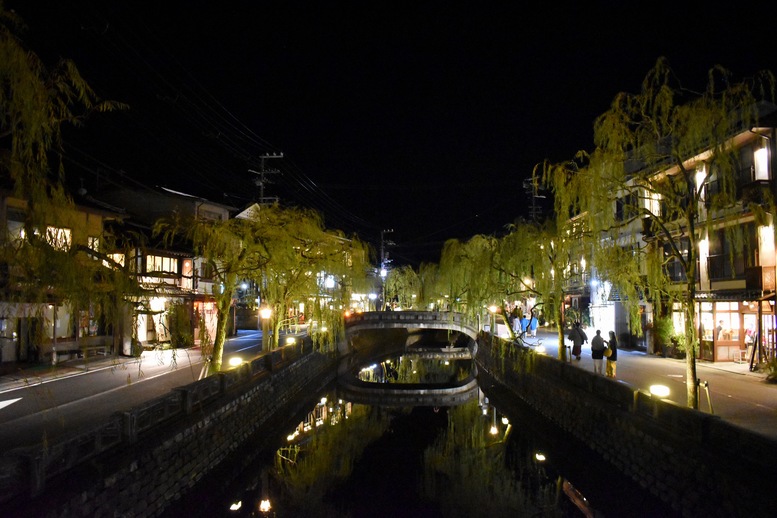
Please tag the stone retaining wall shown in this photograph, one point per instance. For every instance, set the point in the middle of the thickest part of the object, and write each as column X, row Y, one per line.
column 160, row 465
column 697, row 463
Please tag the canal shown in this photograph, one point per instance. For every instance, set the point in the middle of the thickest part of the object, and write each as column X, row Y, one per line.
column 490, row 456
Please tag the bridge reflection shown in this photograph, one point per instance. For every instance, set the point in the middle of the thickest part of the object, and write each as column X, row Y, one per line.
column 408, row 359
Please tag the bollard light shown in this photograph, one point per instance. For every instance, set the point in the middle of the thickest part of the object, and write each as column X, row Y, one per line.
column 661, row 391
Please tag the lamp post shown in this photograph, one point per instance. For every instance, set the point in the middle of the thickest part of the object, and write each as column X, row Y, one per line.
column 383, row 273
column 265, row 313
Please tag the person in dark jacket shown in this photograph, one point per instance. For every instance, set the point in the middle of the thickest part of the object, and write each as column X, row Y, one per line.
column 578, row 336
column 597, row 352
column 612, row 345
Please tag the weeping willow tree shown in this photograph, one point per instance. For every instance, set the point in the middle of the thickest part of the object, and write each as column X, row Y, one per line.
column 428, row 274
column 41, row 260
column 542, row 256
column 662, row 176
column 302, row 261
column 404, row 285
column 465, row 278
column 232, row 250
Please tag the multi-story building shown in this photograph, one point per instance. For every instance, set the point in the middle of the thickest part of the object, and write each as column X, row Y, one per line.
column 735, row 282
column 178, row 285
column 39, row 319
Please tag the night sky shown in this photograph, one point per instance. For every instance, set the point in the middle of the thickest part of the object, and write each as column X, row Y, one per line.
column 421, row 117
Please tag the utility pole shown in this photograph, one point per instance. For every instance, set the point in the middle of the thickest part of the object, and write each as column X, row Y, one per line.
column 383, row 263
column 533, row 192
column 262, row 180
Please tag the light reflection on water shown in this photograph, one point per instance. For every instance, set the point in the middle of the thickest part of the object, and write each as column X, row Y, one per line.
column 415, row 368
column 487, row 457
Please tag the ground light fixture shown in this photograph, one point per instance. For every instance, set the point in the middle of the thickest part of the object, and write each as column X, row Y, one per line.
column 235, row 361
column 661, row 391
column 658, row 392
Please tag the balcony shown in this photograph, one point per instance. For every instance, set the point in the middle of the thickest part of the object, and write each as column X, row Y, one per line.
column 761, row 278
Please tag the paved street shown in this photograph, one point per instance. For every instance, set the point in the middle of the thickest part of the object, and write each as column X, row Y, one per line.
column 736, row 394
column 43, row 402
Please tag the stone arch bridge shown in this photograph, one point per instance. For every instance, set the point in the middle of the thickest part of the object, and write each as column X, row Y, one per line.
column 374, row 336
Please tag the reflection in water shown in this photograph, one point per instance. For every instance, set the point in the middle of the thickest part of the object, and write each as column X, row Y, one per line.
column 361, row 460
column 321, row 457
column 469, row 472
column 416, row 368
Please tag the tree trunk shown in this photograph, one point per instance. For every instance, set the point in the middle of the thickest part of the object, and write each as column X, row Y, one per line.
column 223, row 304
column 690, row 350
column 559, row 318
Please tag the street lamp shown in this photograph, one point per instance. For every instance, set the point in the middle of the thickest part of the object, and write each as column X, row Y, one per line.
column 265, row 313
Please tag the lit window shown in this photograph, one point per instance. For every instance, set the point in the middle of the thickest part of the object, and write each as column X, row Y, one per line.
column 58, row 238
column 94, row 244
column 761, row 164
column 117, row 258
column 157, row 263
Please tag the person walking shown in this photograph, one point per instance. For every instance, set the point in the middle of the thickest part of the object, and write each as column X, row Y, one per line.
column 578, row 337
column 597, row 352
column 612, row 345
column 533, row 326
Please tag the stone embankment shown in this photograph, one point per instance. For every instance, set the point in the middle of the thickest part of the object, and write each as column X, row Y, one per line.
column 146, row 460
column 696, row 463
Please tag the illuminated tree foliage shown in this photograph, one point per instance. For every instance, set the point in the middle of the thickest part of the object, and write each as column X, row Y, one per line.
column 645, row 170
column 465, row 279
column 404, row 285
column 535, row 261
column 38, row 265
column 34, row 104
column 232, row 250
column 298, row 254
column 283, row 250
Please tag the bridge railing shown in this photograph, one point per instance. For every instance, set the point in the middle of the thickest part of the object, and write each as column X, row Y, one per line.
column 412, row 316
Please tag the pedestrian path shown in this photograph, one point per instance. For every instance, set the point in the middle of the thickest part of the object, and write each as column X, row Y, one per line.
column 726, row 389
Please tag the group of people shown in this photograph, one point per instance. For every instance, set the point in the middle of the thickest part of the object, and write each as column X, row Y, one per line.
column 600, row 349
column 521, row 324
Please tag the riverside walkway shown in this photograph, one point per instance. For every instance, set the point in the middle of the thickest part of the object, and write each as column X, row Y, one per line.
column 732, row 391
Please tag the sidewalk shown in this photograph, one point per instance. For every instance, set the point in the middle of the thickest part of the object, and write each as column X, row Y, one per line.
column 727, row 389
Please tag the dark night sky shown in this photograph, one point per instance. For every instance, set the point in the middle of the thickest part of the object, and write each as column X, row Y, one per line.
column 421, row 117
